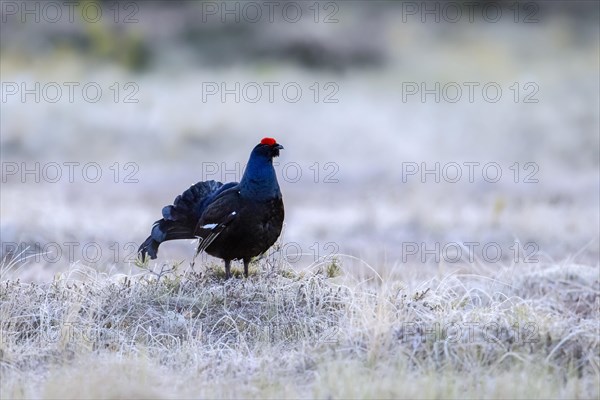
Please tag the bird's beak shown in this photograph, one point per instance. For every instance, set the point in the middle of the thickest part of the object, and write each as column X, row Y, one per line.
column 277, row 146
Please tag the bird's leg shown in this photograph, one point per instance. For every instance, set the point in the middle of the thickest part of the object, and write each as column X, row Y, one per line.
column 246, row 262
column 227, row 269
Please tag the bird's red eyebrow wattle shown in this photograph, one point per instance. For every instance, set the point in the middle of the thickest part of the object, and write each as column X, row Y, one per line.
column 269, row 141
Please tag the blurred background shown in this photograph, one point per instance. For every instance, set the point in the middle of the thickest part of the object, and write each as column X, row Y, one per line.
column 412, row 130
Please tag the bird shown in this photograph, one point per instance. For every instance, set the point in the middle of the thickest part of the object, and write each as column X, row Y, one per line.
column 233, row 221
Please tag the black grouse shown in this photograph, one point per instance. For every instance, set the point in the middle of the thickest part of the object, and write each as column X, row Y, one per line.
column 232, row 221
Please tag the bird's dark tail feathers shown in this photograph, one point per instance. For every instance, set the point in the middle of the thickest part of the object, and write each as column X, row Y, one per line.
column 164, row 230
column 149, row 247
column 179, row 220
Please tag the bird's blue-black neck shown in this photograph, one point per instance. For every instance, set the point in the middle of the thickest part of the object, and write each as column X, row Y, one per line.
column 259, row 181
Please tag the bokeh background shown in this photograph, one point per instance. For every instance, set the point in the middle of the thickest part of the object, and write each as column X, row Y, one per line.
column 162, row 121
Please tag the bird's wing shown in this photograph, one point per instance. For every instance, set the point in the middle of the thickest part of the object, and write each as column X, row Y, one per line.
column 217, row 216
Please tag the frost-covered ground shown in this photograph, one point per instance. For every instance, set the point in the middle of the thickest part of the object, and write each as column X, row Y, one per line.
column 352, row 184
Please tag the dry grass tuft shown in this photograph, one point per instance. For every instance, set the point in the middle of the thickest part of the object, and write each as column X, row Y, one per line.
column 309, row 334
